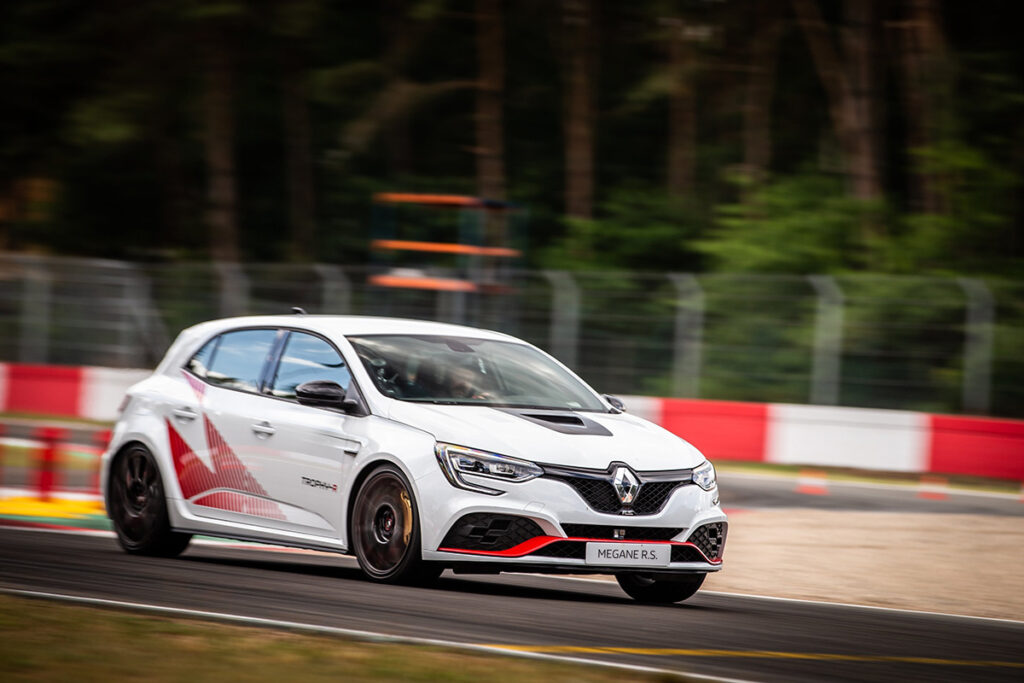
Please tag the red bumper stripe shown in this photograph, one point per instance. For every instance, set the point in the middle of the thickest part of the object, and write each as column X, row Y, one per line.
column 537, row 542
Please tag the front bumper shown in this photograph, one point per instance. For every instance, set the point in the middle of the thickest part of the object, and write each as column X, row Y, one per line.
column 549, row 504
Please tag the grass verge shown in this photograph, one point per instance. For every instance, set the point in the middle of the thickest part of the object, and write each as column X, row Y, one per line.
column 42, row 641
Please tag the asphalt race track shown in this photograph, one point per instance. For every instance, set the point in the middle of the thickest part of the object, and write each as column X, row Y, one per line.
column 758, row 491
column 766, row 640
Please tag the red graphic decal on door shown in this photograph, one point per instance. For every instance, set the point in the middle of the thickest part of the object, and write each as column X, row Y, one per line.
column 197, row 386
column 241, row 502
column 245, row 494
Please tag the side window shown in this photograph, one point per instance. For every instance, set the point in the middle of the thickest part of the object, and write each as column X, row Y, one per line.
column 199, row 364
column 239, row 359
column 307, row 358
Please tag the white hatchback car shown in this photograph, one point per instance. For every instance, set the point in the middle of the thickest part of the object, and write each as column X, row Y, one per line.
column 415, row 446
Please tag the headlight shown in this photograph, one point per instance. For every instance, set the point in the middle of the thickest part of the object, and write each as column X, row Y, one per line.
column 704, row 476
column 458, row 460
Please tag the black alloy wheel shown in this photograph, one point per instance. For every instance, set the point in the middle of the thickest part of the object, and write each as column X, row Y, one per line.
column 137, row 506
column 651, row 589
column 385, row 530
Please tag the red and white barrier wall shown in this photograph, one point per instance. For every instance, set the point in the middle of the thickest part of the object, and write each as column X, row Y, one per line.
column 887, row 440
column 827, row 436
column 87, row 392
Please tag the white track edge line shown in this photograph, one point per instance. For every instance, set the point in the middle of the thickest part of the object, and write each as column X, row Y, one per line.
column 355, row 634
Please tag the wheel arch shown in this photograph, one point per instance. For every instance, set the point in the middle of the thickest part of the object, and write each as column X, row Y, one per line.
column 365, row 470
column 170, row 483
column 117, row 455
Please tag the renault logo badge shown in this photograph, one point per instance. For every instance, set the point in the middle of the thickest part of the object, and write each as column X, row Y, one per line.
column 626, row 485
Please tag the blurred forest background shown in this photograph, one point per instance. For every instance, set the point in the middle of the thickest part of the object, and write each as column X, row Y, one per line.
column 797, row 136
column 752, row 143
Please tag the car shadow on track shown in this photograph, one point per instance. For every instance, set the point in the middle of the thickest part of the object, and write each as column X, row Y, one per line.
column 290, row 565
column 485, row 585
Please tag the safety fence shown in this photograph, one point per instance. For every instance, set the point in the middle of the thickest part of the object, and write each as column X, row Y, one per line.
column 942, row 345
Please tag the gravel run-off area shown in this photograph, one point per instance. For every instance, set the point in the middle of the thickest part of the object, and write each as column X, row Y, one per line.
column 959, row 564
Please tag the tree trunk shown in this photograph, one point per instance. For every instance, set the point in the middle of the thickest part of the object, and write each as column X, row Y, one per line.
column 298, row 161
column 760, row 91
column 397, row 31
column 682, row 108
column 490, row 148
column 850, row 86
column 862, row 105
column 579, row 126
column 221, row 215
column 922, row 52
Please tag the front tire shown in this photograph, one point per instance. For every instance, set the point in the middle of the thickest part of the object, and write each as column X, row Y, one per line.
column 138, row 507
column 650, row 589
column 385, row 530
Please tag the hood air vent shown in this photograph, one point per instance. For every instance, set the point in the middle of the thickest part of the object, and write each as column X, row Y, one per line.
column 556, row 419
column 565, row 422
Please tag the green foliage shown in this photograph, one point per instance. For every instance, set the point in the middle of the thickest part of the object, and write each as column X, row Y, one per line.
column 971, row 234
column 801, row 224
column 640, row 228
column 107, row 100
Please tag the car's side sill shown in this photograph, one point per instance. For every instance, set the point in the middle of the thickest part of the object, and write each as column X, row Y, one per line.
column 263, row 541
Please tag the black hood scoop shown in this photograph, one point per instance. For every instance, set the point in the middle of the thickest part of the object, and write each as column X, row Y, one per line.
column 565, row 422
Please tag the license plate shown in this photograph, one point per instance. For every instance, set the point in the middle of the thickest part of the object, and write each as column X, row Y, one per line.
column 629, row 554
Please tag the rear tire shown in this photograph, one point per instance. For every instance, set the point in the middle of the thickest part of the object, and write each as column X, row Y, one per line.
column 137, row 506
column 385, row 530
column 650, row 589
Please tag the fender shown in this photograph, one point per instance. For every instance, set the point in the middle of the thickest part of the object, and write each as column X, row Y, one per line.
column 414, row 441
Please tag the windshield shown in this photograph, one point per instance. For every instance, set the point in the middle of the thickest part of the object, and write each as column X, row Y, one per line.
column 467, row 371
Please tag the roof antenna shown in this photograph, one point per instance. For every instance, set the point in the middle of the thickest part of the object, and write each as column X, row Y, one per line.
column 298, row 311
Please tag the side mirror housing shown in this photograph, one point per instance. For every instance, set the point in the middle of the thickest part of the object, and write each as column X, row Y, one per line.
column 322, row 393
column 615, row 402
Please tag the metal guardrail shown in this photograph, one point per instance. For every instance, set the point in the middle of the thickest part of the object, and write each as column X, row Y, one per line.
column 934, row 344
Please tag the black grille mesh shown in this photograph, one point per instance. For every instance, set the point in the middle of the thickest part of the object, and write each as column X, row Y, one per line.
column 710, row 538
column 572, row 550
column 632, row 533
column 652, row 496
column 484, row 531
column 686, row 553
column 600, row 495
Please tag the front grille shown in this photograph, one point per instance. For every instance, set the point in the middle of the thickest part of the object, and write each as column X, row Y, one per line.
column 600, row 494
column 710, row 538
column 564, row 550
column 652, row 496
column 485, row 531
column 632, row 533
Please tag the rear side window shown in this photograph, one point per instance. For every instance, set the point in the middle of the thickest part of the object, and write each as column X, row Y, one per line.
column 307, row 358
column 199, row 364
column 237, row 360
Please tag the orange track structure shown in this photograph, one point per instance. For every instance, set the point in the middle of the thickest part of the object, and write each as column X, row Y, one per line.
column 435, row 283
column 443, row 248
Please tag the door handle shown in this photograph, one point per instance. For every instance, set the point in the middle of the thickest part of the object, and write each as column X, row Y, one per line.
column 185, row 414
column 263, row 429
